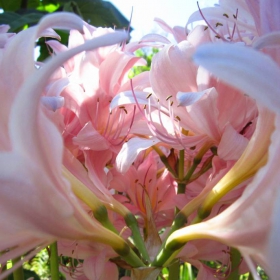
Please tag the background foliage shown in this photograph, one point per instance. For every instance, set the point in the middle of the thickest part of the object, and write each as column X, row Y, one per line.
column 21, row 14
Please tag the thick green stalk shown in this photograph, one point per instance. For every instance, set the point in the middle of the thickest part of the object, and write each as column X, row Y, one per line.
column 130, row 257
column 190, row 272
column 18, row 273
column 181, row 185
column 54, row 262
column 136, row 235
column 196, row 161
column 166, row 255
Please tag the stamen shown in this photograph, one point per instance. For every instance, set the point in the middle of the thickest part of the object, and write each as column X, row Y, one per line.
column 209, row 25
column 97, row 111
column 149, row 95
column 168, row 97
column 235, row 16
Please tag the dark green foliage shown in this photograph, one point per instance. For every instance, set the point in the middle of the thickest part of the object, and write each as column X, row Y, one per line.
column 21, row 13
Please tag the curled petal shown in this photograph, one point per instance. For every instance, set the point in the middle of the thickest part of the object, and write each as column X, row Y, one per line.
column 130, row 150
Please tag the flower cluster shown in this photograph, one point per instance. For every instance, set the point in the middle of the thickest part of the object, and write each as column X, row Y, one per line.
column 177, row 164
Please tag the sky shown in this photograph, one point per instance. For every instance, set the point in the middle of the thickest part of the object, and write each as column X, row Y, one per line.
column 173, row 12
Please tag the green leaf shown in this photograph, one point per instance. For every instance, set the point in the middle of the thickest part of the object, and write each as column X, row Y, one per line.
column 17, row 22
column 97, row 13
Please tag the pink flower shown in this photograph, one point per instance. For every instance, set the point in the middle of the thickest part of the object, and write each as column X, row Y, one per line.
column 33, row 188
column 253, row 229
column 146, row 188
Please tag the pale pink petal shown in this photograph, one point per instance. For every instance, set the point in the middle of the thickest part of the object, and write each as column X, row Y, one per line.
column 255, row 73
column 163, row 25
column 90, row 139
column 269, row 15
column 112, row 77
column 130, row 150
column 205, row 110
column 188, row 98
column 128, row 97
column 269, row 40
column 155, row 38
column 52, row 103
column 94, row 266
column 232, row 144
column 172, row 70
column 199, row 36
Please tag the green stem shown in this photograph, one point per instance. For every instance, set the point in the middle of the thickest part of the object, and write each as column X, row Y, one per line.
column 174, row 271
column 206, row 166
column 235, row 258
column 164, row 160
column 181, row 164
column 179, row 221
column 196, row 161
column 181, row 185
column 190, row 272
column 131, row 258
column 54, row 262
column 136, row 235
column 166, row 255
column 18, row 273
